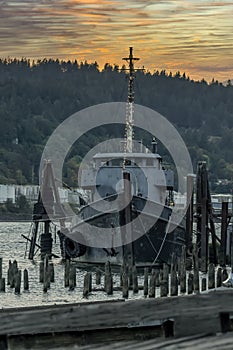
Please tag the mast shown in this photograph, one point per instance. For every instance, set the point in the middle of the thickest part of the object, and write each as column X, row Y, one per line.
column 129, row 111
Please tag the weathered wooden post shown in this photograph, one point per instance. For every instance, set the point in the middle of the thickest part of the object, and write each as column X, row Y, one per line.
column 108, row 281
column 152, row 284
column 86, row 285
column 51, row 271
column 2, row 285
column 202, row 214
column 130, row 276
column 212, row 228
column 17, row 282
column 211, row 276
column 67, row 273
column 157, row 278
column 9, row 272
column 183, row 271
column 203, row 284
column 122, row 269
column 0, row 268
column 190, row 283
column 224, row 274
column 219, row 277
column 25, row 280
column 135, row 279
column 223, row 234
column 125, row 285
column 126, row 226
column 196, row 285
column 72, row 278
column 13, row 273
column 145, row 287
column 109, row 284
column 163, row 288
column 90, row 282
column 98, row 277
column 41, row 271
column 166, row 277
column 46, row 277
column 174, row 281
column 189, row 213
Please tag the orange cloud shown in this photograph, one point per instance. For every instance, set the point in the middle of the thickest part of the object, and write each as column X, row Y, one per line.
column 191, row 35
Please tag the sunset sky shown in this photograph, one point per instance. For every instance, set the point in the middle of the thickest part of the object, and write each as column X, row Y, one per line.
column 195, row 36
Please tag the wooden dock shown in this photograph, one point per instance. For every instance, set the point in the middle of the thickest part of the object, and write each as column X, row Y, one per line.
column 150, row 321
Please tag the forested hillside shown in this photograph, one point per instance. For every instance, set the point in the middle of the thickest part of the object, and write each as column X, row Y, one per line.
column 36, row 96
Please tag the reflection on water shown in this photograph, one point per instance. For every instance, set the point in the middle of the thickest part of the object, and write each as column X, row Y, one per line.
column 12, row 246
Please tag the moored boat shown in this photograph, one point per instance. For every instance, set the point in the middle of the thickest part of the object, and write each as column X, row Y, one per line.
column 130, row 210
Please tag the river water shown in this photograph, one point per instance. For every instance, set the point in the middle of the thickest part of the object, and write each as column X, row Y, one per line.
column 12, row 247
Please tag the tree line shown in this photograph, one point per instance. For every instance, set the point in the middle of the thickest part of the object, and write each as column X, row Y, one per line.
column 36, row 96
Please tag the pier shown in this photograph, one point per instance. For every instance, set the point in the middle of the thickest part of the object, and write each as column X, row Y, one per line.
column 144, row 323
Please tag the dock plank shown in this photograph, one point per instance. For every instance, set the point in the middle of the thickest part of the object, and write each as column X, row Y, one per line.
column 191, row 315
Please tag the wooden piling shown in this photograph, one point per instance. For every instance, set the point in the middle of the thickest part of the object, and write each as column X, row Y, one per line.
column 202, row 214
column 108, row 281
column 130, row 276
column 107, row 271
column 98, row 277
column 126, row 225
column 67, row 272
column 0, row 268
column 15, row 264
column 152, row 284
column 9, row 272
column 41, row 272
column 109, row 284
column 166, row 277
column 145, row 286
column 72, row 277
column 90, row 282
column 183, row 271
column 2, row 285
column 25, row 280
column 174, row 280
column 51, row 272
column 121, row 274
column 190, row 283
column 189, row 213
column 219, row 277
column 224, row 275
column 231, row 249
column 157, row 278
column 223, row 234
column 17, row 282
column 45, row 281
column 125, row 285
column 211, row 276
column 163, row 288
column 46, row 277
column 135, row 279
column 196, row 283
column 203, row 284
column 13, row 274
column 174, row 283
column 86, row 285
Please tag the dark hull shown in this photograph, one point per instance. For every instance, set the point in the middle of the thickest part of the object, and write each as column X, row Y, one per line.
column 153, row 246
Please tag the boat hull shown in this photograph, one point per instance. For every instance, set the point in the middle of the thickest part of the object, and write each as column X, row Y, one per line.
column 150, row 246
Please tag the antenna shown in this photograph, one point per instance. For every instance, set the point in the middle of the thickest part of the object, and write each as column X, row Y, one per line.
column 129, row 111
